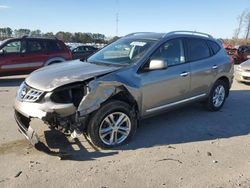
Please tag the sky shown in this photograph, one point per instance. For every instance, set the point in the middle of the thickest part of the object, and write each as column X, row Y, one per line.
column 216, row 17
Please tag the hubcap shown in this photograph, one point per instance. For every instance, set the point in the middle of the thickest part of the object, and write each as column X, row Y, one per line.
column 115, row 128
column 219, row 96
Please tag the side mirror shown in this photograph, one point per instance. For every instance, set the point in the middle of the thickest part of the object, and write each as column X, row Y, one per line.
column 157, row 65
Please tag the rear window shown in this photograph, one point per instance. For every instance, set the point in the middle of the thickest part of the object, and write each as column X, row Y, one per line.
column 197, row 49
column 34, row 46
column 52, row 45
column 214, row 46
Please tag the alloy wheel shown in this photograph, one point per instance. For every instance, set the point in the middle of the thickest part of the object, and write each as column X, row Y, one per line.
column 219, row 96
column 115, row 128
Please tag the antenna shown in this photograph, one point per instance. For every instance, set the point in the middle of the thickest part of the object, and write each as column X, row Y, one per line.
column 117, row 17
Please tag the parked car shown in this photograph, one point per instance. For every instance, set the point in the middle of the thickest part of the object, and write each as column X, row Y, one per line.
column 243, row 53
column 26, row 54
column 231, row 51
column 139, row 75
column 83, row 52
column 242, row 72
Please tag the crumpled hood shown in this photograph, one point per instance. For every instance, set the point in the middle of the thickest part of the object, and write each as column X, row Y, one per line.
column 53, row 76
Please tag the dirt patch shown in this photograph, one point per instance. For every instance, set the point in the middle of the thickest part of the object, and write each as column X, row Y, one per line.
column 18, row 146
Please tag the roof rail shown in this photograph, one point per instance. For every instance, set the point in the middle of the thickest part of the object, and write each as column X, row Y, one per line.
column 188, row 32
column 138, row 33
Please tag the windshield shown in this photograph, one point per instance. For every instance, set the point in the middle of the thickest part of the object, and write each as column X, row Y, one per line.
column 124, row 51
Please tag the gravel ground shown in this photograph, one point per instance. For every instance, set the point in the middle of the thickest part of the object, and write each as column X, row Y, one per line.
column 187, row 147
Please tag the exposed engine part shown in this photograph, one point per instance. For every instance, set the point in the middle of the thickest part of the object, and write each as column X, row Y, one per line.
column 76, row 133
column 69, row 94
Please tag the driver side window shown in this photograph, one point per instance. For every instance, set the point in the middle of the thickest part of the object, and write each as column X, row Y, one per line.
column 12, row 47
column 171, row 52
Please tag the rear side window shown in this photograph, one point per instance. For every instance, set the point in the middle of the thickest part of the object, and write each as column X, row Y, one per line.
column 34, row 46
column 214, row 46
column 197, row 49
column 80, row 49
column 89, row 48
column 52, row 46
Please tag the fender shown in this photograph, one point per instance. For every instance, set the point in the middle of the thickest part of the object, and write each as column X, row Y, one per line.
column 100, row 91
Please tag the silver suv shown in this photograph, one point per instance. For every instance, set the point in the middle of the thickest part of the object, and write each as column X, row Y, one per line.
column 137, row 76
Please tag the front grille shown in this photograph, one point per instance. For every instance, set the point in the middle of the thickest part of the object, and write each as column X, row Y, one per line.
column 28, row 94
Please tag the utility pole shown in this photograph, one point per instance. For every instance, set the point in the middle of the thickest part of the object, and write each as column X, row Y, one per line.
column 117, row 17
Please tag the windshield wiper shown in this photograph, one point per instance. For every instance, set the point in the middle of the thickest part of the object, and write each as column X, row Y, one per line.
column 108, row 64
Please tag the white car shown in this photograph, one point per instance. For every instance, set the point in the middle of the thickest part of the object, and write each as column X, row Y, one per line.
column 242, row 72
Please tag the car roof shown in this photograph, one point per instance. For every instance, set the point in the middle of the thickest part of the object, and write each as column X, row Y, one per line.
column 158, row 36
column 36, row 38
column 146, row 35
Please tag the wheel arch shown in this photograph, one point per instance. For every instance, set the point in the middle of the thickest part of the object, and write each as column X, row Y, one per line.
column 226, row 81
column 126, row 97
column 54, row 59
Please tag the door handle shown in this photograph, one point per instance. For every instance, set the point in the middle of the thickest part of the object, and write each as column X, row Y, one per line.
column 214, row 67
column 184, row 74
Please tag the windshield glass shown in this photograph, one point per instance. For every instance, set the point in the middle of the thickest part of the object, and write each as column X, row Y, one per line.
column 122, row 52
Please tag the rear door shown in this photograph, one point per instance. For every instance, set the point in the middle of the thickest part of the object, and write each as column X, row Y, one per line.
column 203, row 67
column 35, row 55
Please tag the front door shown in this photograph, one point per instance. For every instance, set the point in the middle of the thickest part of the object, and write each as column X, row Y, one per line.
column 10, row 57
column 166, row 87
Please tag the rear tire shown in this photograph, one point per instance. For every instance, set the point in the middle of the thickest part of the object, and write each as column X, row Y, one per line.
column 112, row 125
column 217, row 96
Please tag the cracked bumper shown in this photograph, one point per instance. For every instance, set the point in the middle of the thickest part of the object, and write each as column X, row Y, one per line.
column 23, row 124
column 25, row 111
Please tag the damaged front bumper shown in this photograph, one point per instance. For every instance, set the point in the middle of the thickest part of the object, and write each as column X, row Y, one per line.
column 23, row 123
column 24, row 127
column 25, row 111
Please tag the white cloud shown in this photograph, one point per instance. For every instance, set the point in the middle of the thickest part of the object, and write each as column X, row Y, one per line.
column 4, row 7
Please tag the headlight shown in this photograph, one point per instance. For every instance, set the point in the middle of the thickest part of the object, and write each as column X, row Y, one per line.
column 69, row 94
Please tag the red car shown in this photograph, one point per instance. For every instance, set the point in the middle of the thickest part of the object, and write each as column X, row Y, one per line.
column 243, row 53
column 26, row 54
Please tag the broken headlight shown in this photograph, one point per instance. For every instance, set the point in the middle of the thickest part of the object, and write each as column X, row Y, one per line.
column 69, row 94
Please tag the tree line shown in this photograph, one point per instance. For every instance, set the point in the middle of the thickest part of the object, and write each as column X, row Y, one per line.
column 79, row 37
column 243, row 28
column 241, row 35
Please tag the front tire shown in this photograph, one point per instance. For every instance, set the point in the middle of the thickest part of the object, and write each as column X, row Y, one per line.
column 217, row 96
column 112, row 125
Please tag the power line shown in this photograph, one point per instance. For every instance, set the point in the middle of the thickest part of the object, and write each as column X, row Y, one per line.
column 117, row 17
